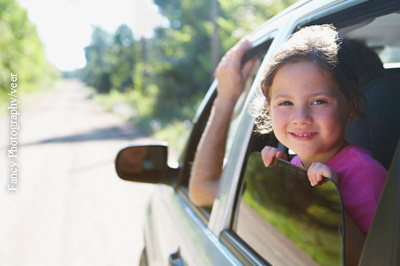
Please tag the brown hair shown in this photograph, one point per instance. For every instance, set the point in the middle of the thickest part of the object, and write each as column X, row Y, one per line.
column 320, row 45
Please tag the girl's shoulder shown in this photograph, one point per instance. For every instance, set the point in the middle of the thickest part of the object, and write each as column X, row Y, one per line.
column 359, row 172
column 358, row 152
column 355, row 156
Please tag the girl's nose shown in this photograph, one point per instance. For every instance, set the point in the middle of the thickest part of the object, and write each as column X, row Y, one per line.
column 302, row 116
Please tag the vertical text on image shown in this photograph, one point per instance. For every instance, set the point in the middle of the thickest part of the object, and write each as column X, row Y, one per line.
column 14, row 127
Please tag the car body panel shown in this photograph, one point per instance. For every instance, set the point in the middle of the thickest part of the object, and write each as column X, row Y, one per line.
column 387, row 216
column 168, row 216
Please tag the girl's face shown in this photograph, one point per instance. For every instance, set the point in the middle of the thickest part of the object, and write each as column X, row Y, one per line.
column 309, row 113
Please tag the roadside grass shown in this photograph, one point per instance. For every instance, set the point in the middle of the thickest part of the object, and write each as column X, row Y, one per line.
column 26, row 95
column 175, row 133
column 136, row 109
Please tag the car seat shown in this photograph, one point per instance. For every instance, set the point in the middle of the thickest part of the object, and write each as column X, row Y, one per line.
column 379, row 131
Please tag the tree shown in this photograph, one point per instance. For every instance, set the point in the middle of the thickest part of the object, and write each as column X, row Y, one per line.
column 22, row 51
column 183, row 50
column 96, row 70
column 174, row 67
column 111, row 60
column 122, row 59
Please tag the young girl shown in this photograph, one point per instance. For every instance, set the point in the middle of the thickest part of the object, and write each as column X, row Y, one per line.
column 311, row 91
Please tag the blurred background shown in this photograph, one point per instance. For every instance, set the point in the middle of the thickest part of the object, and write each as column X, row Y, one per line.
column 94, row 76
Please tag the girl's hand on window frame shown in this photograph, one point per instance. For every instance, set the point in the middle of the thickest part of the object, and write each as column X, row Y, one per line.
column 269, row 155
column 317, row 171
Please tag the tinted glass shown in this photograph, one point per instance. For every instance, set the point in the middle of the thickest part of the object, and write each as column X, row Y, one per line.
column 286, row 220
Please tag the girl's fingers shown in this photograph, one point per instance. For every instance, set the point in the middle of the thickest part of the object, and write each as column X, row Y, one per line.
column 281, row 155
column 317, row 171
column 269, row 155
column 266, row 159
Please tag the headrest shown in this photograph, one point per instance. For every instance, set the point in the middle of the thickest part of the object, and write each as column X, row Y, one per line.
column 380, row 131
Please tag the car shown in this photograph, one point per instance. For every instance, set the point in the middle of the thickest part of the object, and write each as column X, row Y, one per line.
column 273, row 216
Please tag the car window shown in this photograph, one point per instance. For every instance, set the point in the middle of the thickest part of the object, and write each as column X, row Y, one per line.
column 286, row 220
column 258, row 53
column 201, row 122
column 234, row 125
column 199, row 125
column 203, row 114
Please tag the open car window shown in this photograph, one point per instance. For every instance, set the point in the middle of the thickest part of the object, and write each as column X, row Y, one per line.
column 257, row 52
column 204, row 111
column 286, row 220
column 235, row 120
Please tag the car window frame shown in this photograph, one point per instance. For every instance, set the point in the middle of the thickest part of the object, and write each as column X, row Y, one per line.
column 203, row 113
column 199, row 124
column 221, row 211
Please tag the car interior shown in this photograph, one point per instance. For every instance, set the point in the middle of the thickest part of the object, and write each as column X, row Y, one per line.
column 378, row 130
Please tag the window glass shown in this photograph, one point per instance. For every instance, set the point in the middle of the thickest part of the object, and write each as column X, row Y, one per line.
column 200, row 122
column 390, row 54
column 233, row 127
column 379, row 34
column 286, row 220
column 258, row 52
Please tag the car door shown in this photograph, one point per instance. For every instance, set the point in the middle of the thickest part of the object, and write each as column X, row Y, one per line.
column 383, row 243
column 176, row 231
column 179, row 232
column 226, row 218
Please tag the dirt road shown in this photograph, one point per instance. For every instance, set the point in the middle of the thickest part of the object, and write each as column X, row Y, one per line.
column 70, row 208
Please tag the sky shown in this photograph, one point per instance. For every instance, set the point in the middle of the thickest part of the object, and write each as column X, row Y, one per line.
column 65, row 26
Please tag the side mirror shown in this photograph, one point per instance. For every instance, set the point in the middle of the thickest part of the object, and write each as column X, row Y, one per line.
column 145, row 163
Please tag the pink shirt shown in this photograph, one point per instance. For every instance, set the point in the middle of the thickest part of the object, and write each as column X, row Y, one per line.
column 360, row 182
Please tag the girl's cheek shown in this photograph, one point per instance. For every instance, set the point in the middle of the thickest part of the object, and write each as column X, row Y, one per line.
column 279, row 121
column 280, row 114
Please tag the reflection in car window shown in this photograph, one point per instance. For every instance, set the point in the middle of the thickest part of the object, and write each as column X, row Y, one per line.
column 286, row 220
column 234, row 125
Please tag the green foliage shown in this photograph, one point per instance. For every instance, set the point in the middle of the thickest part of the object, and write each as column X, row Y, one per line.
column 121, row 58
column 110, row 60
column 96, row 73
column 184, row 49
column 22, row 52
column 166, row 76
column 175, row 134
column 184, row 52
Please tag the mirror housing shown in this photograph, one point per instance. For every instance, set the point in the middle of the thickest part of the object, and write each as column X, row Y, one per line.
column 145, row 163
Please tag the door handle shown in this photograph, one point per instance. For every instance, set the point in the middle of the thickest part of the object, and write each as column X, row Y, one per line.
column 175, row 259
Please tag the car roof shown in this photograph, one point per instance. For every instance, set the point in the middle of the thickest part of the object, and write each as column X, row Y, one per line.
column 377, row 32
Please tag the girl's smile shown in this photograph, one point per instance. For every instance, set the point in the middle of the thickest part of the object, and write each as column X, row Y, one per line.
column 309, row 113
column 303, row 135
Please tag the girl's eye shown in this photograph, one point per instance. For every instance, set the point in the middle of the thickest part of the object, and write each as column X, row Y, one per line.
column 285, row 103
column 318, row 102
